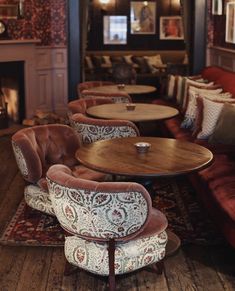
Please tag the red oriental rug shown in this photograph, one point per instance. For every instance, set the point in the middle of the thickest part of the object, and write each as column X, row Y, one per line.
column 174, row 197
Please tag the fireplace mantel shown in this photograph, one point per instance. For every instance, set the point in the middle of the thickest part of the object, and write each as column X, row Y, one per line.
column 19, row 41
column 45, row 73
column 22, row 50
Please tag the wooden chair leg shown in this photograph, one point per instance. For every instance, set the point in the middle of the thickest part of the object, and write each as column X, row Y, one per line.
column 156, row 268
column 69, row 269
column 111, row 251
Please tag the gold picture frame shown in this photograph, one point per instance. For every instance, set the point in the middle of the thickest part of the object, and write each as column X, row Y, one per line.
column 8, row 11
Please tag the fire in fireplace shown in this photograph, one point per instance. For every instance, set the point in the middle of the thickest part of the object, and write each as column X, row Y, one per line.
column 12, row 89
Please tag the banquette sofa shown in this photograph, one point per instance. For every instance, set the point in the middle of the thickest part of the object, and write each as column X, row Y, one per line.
column 214, row 128
column 148, row 66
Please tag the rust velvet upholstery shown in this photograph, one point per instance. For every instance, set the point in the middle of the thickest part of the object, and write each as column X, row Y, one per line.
column 81, row 105
column 90, row 84
column 36, row 149
column 215, row 185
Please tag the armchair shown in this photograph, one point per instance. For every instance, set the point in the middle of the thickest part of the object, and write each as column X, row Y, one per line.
column 114, row 228
column 90, row 84
column 91, row 129
column 36, row 149
column 80, row 105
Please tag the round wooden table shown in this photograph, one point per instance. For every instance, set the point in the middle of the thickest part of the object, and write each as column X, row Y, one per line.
column 130, row 89
column 166, row 157
column 142, row 112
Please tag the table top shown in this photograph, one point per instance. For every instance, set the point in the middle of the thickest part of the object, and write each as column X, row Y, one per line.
column 142, row 112
column 130, row 89
column 166, row 157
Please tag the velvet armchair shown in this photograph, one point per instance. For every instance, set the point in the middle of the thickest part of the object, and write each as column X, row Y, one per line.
column 36, row 149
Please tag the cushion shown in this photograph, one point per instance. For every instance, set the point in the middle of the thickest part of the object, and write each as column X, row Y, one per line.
column 143, row 64
column 185, row 60
column 171, row 86
column 97, row 61
column 180, row 89
column 89, row 62
column 225, row 133
column 193, row 83
column 154, row 62
column 128, row 59
column 211, row 112
column 107, row 61
column 191, row 111
column 117, row 59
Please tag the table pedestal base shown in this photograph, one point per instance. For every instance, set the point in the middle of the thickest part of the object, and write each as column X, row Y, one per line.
column 173, row 243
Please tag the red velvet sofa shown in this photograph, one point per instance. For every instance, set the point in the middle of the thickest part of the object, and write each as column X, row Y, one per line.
column 216, row 184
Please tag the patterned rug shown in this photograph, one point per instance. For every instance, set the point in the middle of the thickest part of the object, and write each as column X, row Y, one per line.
column 174, row 197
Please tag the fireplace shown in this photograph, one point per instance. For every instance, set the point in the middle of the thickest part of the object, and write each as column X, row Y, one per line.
column 12, row 89
column 20, row 55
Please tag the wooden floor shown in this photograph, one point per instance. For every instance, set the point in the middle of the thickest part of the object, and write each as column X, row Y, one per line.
column 34, row 268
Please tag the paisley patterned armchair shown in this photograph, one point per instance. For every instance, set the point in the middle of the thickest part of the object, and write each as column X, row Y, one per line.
column 117, row 97
column 36, row 149
column 90, row 84
column 91, row 129
column 114, row 228
column 81, row 105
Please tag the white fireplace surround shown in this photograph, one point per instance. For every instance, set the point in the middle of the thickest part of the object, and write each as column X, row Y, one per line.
column 45, row 74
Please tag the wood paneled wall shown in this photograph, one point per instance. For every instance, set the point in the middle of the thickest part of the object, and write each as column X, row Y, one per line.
column 134, row 41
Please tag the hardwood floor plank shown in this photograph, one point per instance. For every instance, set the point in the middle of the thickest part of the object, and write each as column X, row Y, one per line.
column 151, row 281
column 201, row 268
column 12, row 260
column 178, row 274
column 35, row 269
column 11, row 199
column 224, row 261
column 56, row 271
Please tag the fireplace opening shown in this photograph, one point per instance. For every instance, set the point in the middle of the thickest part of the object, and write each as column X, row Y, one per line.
column 12, row 90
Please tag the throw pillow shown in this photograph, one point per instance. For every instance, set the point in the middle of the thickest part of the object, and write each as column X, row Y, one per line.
column 89, row 62
column 191, row 111
column 154, row 62
column 193, row 84
column 211, row 113
column 171, row 86
column 128, row 59
column 107, row 61
column 180, row 89
column 143, row 65
column 224, row 133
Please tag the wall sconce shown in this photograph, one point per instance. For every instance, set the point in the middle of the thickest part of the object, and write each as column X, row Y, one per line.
column 104, row 4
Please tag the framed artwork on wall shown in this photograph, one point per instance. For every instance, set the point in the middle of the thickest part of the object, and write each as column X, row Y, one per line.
column 115, row 29
column 217, row 7
column 143, row 17
column 230, row 22
column 171, row 28
column 8, row 11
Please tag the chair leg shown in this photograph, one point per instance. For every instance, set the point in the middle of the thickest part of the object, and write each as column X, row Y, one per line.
column 69, row 269
column 111, row 252
column 156, row 268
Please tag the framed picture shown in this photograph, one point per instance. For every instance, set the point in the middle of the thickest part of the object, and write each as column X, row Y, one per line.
column 115, row 29
column 8, row 11
column 217, row 7
column 171, row 27
column 143, row 17
column 230, row 22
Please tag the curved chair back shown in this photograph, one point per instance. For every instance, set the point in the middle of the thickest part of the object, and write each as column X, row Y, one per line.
column 90, row 84
column 37, row 148
column 95, row 210
column 117, row 97
column 81, row 105
column 91, row 129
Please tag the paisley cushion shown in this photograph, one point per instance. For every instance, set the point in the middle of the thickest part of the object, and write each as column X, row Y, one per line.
column 129, row 256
